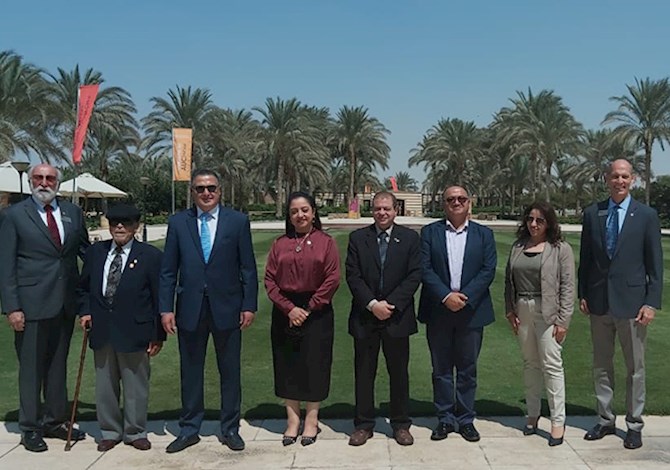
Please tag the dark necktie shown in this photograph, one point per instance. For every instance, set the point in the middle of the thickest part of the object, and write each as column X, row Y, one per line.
column 612, row 230
column 51, row 224
column 383, row 246
column 114, row 275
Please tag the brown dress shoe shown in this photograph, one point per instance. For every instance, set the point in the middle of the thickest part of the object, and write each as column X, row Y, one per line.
column 403, row 437
column 106, row 444
column 360, row 437
column 140, row 444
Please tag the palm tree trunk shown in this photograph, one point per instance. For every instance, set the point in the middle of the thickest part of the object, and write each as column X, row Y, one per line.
column 352, row 174
column 280, row 188
column 547, row 181
column 647, row 170
column 533, row 175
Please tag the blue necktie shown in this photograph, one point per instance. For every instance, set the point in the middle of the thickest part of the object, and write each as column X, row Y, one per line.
column 205, row 236
column 612, row 230
column 383, row 246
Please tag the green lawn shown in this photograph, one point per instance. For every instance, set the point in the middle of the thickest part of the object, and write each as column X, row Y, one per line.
column 500, row 383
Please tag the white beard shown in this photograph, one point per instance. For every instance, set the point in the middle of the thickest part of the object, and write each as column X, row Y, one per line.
column 45, row 195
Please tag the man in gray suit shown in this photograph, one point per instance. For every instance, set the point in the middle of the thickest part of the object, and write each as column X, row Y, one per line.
column 41, row 238
column 620, row 285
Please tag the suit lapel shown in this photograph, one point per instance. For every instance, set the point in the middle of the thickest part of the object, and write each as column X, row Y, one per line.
column 442, row 243
column 66, row 219
column 602, row 222
column 373, row 246
column 31, row 210
column 220, row 229
column 192, row 224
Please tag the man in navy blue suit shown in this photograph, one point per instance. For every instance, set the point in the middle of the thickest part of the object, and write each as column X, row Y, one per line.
column 458, row 264
column 209, row 264
column 620, row 287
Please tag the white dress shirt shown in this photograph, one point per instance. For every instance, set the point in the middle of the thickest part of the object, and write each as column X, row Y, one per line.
column 388, row 239
column 456, row 239
column 110, row 257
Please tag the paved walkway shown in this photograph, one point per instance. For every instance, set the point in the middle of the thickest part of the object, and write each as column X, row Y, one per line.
column 502, row 447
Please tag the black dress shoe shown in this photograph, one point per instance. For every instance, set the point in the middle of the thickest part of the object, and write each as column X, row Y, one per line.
column 233, row 440
column 441, row 431
column 309, row 440
column 598, row 432
column 633, row 440
column 60, row 432
column 469, row 432
column 555, row 441
column 32, row 441
column 288, row 440
column 181, row 443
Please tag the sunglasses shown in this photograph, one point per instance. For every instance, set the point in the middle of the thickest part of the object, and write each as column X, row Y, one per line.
column 538, row 220
column 212, row 188
column 460, row 199
column 124, row 222
column 49, row 178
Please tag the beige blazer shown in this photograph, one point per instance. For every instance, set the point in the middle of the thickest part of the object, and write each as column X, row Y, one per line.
column 557, row 272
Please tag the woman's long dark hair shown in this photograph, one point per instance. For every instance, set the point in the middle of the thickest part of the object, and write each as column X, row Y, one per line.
column 290, row 229
column 554, row 235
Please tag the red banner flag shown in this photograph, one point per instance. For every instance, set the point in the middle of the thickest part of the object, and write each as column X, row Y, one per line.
column 394, row 183
column 87, row 95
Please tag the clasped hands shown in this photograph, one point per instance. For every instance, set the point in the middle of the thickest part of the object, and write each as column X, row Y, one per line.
column 297, row 316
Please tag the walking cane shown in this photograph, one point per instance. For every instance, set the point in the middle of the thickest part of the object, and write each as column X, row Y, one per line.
column 82, row 358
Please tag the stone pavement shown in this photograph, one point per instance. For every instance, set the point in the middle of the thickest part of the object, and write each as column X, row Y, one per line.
column 502, row 447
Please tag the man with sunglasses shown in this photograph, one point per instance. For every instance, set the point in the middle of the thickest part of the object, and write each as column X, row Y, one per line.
column 620, row 286
column 209, row 264
column 41, row 239
column 458, row 264
column 118, row 296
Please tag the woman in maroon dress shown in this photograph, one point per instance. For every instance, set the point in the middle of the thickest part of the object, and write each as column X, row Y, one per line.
column 301, row 277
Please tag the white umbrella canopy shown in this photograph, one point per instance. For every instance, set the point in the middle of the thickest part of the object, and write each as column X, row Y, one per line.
column 9, row 179
column 88, row 186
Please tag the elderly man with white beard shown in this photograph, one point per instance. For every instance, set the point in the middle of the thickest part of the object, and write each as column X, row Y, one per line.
column 41, row 239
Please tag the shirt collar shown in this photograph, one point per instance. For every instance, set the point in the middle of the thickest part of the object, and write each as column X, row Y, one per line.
column 126, row 248
column 41, row 205
column 214, row 213
column 388, row 230
column 623, row 204
column 451, row 228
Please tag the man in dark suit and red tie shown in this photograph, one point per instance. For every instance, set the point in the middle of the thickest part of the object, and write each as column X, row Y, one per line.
column 620, row 287
column 118, row 296
column 209, row 264
column 459, row 264
column 41, row 239
column 383, row 272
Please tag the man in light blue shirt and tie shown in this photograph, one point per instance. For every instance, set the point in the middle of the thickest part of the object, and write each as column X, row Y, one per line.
column 209, row 265
column 620, row 286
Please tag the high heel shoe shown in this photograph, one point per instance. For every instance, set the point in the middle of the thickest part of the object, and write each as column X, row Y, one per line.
column 288, row 440
column 309, row 440
column 530, row 429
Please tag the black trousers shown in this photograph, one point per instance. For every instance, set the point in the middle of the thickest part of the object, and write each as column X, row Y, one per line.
column 366, row 354
column 42, row 348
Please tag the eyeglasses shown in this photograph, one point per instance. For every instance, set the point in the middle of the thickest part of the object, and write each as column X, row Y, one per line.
column 537, row 220
column 460, row 199
column 201, row 189
column 49, row 178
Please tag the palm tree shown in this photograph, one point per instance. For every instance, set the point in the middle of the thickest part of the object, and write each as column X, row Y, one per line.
column 288, row 131
column 27, row 110
column 184, row 107
column 112, row 130
column 644, row 118
column 359, row 137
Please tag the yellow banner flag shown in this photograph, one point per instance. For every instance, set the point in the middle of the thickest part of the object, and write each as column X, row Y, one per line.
column 182, row 146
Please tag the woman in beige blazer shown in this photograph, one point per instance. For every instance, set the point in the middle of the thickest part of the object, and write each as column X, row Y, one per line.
column 539, row 301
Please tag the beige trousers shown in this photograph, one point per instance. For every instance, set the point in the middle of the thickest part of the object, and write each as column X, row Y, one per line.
column 542, row 361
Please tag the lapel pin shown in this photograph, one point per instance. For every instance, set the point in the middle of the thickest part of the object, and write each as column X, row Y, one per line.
column 132, row 264
column 396, row 240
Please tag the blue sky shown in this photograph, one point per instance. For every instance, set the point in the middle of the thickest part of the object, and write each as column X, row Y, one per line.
column 409, row 62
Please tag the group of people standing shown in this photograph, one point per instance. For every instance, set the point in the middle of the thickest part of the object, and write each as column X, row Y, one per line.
column 131, row 296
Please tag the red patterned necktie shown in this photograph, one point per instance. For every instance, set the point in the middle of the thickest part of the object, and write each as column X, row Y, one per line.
column 51, row 223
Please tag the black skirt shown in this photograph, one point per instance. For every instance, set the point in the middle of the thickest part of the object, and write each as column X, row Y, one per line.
column 302, row 357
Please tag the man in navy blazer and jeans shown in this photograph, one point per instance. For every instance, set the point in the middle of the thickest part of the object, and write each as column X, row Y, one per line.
column 620, row 287
column 209, row 263
column 458, row 265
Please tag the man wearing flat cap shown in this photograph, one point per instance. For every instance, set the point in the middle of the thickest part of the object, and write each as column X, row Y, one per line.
column 119, row 303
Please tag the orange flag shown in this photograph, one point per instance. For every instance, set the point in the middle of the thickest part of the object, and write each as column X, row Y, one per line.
column 182, row 146
column 85, row 103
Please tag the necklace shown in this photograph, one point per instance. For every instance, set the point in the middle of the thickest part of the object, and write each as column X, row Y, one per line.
column 305, row 239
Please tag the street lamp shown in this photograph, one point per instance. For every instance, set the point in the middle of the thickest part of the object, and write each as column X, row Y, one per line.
column 144, row 180
column 21, row 167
